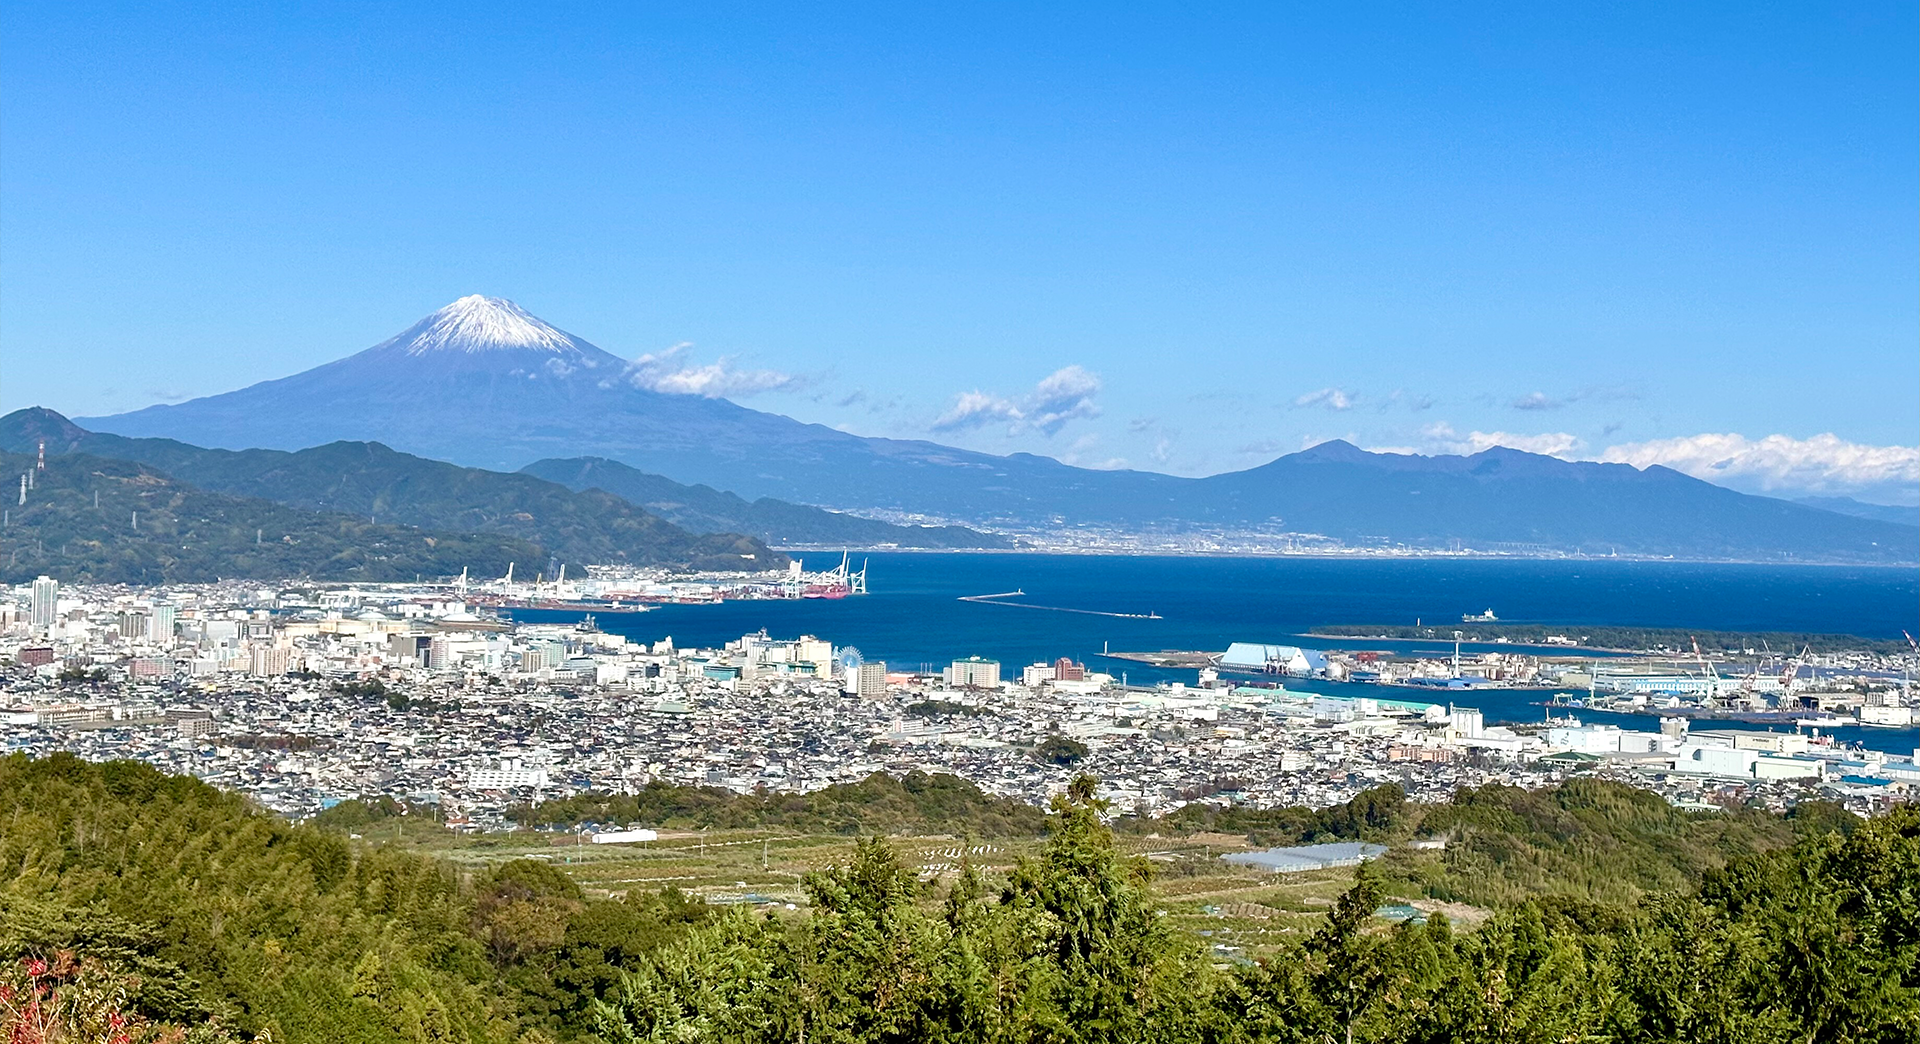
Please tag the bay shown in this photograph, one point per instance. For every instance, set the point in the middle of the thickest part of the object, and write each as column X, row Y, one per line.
column 913, row 618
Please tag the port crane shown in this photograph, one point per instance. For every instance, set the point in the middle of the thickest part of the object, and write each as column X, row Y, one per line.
column 1706, row 668
column 1906, row 673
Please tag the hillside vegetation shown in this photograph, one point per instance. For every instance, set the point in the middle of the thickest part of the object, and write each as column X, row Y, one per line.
column 113, row 521
column 918, row 803
column 369, row 480
column 164, row 903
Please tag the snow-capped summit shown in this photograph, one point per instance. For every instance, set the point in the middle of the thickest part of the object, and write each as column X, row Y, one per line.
column 483, row 383
column 477, row 323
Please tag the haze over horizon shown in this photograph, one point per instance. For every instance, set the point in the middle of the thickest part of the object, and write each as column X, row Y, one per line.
column 1645, row 235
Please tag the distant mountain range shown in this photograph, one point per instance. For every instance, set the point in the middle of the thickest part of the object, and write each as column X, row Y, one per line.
column 1906, row 516
column 703, row 509
column 577, row 525
column 483, row 383
column 89, row 519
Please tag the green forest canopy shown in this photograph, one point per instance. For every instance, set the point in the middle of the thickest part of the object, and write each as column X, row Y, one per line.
column 194, row 906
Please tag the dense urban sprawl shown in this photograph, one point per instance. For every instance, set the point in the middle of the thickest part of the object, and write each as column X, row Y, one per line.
column 305, row 697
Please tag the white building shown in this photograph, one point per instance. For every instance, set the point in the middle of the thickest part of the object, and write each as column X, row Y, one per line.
column 625, row 837
column 507, row 774
column 160, row 627
column 46, row 603
column 973, row 672
column 1037, row 675
column 270, row 661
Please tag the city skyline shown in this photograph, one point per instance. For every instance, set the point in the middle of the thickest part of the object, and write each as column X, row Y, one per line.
column 1644, row 236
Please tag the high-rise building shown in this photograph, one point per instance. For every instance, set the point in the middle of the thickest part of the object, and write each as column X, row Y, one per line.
column 974, row 672
column 160, row 628
column 1065, row 669
column 407, row 647
column 816, row 651
column 542, row 655
column 270, row 661
column 132, row 624
column 46, row 602
column 870, row 680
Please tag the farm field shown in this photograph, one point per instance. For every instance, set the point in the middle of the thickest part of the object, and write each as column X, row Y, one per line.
column 1237, row 910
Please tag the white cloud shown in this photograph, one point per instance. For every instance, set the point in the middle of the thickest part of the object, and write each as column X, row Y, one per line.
column 1064, row 395
column 670, row 372
column 1537, row 401
column 1823, row 464
column 974, row 409
column 1325, row 398
column 1776, row 464
column 1442, row 438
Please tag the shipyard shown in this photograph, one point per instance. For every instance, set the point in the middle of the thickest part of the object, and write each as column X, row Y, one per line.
column 616, row 590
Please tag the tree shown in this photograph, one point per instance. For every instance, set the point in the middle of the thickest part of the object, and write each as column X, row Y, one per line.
column 1059, row 750
column 1099, row 962
column 1347, row 978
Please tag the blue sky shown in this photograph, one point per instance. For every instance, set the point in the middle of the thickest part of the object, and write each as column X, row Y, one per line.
column 1146, row 237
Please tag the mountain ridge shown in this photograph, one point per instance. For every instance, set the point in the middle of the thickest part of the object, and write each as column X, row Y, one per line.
column 319, row 477
column 1906, row 516
column 101, row 520
column 374, row 481
column 504, row 410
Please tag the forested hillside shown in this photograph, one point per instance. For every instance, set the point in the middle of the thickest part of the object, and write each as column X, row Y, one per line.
column 90, row 520
column 160, row 902
column 917, row 803
column 368, row 480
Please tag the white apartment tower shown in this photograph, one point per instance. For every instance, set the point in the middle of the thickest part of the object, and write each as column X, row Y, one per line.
column 974, row 672
column 46, row 602
column 160, row 628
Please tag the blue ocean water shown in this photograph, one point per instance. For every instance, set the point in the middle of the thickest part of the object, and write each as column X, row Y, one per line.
column 913, row 617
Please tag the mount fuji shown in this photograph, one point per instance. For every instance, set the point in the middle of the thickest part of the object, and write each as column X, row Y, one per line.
column 484, row 383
